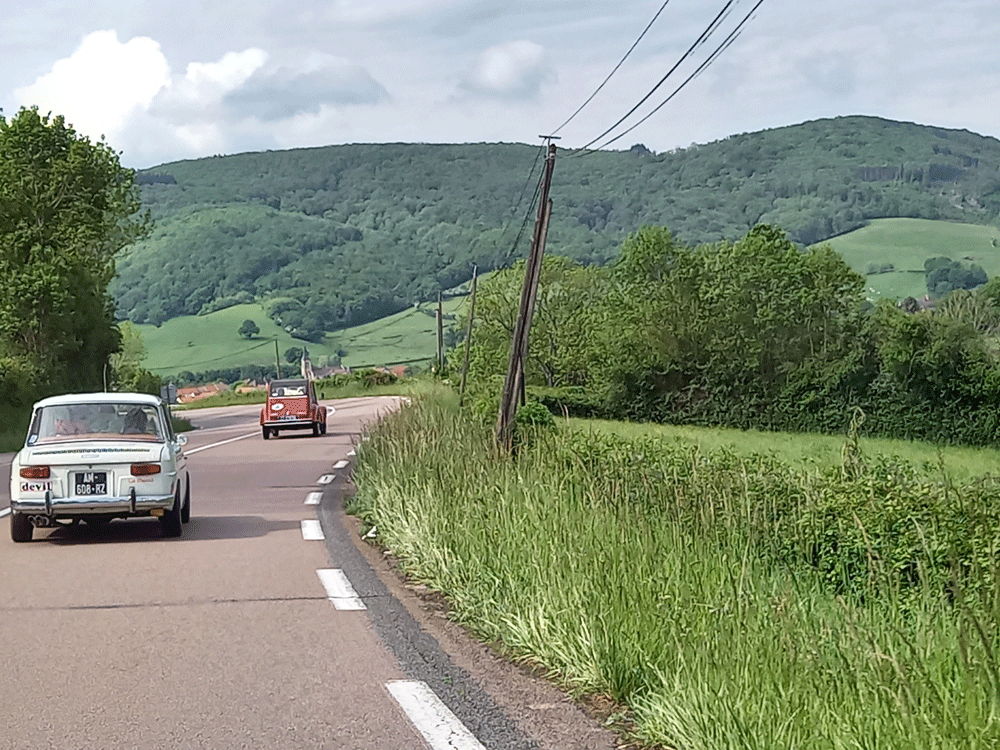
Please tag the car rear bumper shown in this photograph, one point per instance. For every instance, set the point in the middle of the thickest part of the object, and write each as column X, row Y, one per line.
column 57, row 507
column 289, row 424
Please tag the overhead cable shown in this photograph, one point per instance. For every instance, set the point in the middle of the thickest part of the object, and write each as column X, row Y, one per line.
column 614, row 70
column 733, row 35
column 697, row 43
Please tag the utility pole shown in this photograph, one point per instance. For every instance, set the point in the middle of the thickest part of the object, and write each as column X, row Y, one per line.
column 513, row 387
column 440, row 337
column 468, row 334
column 277, row 362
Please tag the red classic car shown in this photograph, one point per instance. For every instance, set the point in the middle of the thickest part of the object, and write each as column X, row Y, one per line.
column 292, row 405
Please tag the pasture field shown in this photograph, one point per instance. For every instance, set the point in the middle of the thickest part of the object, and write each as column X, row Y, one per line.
column 805, row 451
column 208, row 342
column 907, row 243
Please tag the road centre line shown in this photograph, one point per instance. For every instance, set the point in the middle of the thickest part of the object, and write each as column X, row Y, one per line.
column 221, row 442
column 313, row 498
column 312, row 531
column 439, row 726
column 339, row 589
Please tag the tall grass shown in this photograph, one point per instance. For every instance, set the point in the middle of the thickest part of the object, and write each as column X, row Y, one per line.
column 674, row 581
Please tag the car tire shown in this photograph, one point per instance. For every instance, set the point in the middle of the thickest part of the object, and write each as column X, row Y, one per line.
column 315, row 429
column 322, row 428
column 265, row 432
column 186, row 508
column 171, row 520
column 20, row 527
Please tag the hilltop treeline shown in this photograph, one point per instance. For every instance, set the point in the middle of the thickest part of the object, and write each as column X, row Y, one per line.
column 347, row 234
column 753, row 334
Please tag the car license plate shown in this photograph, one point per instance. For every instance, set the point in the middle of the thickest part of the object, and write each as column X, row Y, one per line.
column 290, row 416
column 91, row 483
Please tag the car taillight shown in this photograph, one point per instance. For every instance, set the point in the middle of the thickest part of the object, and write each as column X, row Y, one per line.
column 35, row 472
column 144, row 470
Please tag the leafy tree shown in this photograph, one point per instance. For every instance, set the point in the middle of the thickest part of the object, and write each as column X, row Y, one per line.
column 67, row 207
column 127, row 372
column 249, row 329
column 293, row 354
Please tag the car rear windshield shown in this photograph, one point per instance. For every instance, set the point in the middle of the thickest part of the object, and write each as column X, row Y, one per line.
column 104, row 421
column 287, row 390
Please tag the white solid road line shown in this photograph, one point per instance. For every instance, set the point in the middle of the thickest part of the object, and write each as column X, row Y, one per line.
column 326, row 479
column 312, row 531
column 221, row 442
column 313, row 498
column 340, row 464
column 435, row 721
column 4, row 512
column 339, row 589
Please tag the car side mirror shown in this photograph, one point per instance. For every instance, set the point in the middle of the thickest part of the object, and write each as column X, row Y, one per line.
column 182, row 439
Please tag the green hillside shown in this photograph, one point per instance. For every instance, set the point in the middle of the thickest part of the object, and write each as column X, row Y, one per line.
column 209, row 342
column 906, row 244
column 329, row 238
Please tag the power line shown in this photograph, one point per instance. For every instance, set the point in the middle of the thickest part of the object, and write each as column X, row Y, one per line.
column 614, row 70
column 726, row 43
column 697, row 43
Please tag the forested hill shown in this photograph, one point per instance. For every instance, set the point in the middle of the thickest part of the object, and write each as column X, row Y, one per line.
column 339, row 235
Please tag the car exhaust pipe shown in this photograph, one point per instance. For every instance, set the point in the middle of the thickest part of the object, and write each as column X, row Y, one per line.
column 41, row 521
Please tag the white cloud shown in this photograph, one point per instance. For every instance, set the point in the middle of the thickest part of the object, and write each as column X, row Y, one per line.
column 515, row 70
column 201, row 89
column 304, row 86
column 98, row 87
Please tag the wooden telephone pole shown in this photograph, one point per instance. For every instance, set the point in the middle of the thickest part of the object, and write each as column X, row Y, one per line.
column 513, row 387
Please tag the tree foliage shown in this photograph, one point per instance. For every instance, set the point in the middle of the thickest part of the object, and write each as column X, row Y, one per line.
column 67, row 207
column 755, row 333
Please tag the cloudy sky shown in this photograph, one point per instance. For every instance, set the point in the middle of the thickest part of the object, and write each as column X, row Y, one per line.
column 182, row 79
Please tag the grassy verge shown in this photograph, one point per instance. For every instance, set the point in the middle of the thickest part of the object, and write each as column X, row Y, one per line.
column 702, row 589
column 325, row 390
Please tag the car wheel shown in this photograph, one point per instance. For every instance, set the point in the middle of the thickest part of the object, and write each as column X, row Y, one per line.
column 265, row 432
column 186, row 509
column 322, row 428
column 20, row 527
column 171, row 520
column 315, row 429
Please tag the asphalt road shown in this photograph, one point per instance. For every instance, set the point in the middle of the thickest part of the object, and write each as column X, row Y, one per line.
column 233, row 635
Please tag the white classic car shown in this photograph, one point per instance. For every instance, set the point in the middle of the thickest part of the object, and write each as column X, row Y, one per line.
column 95, row 457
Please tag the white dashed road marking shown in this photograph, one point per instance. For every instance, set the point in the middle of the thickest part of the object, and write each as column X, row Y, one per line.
column 435, row 721
column 223, row 442
column 312, row 531
column 339, row 590
column 4, row 512
column 313, row 498
column 340, row 464
column 326, row 479
column 352, row 452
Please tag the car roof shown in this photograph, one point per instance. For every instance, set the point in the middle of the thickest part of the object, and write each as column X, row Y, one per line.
column 298, row 381
column 100, row 398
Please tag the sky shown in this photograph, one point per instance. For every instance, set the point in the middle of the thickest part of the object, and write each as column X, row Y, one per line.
column 163, row 81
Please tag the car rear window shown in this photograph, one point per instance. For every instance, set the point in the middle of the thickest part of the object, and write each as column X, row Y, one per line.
column 98, row 421
column 286, row 390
